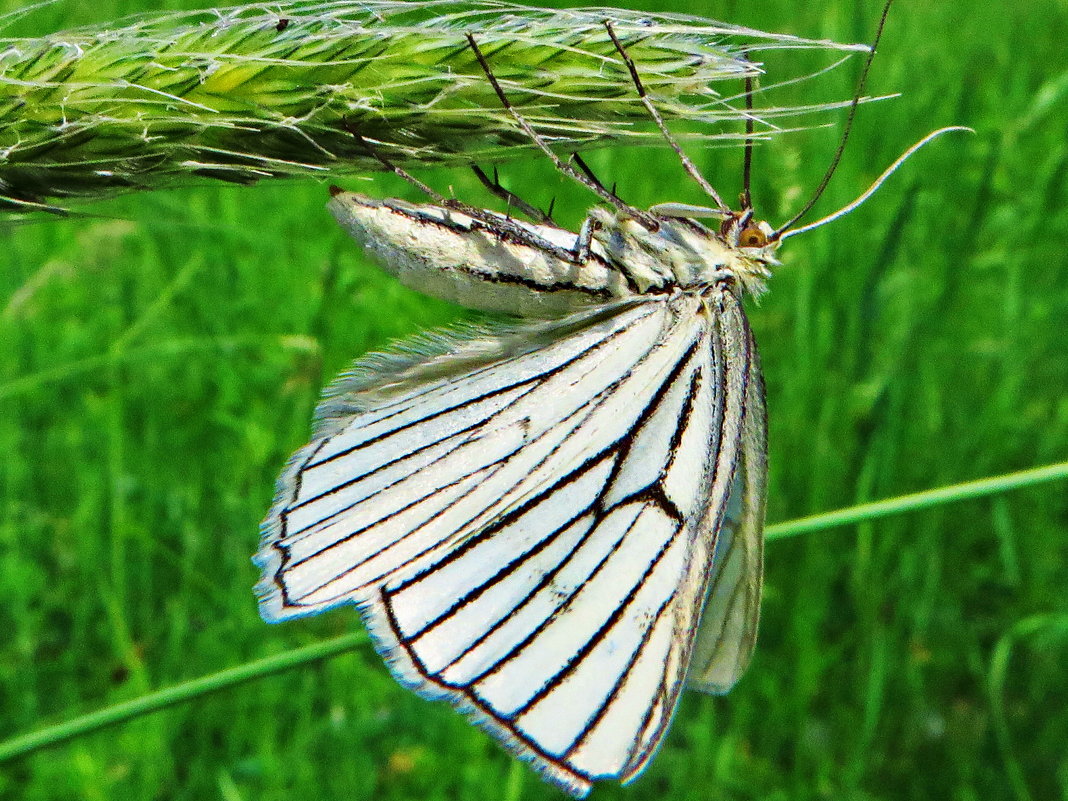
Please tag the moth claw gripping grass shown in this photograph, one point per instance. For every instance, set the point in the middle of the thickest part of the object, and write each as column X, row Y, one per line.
column 553, row 524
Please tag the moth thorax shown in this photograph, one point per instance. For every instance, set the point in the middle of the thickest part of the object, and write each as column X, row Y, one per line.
column 682, row 253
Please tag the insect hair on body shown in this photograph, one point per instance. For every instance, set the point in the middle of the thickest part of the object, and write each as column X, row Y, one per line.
column 553, row 524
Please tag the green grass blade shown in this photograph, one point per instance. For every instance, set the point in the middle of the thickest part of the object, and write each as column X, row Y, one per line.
column 918, row 500
column 177, row 694
column 1050, row 627
column 231, row 677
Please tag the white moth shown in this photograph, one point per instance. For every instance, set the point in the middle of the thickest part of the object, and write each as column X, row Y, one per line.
column 554, row 525
column 557, row 524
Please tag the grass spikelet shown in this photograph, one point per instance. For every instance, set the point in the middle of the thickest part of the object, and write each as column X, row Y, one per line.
column 258, row 91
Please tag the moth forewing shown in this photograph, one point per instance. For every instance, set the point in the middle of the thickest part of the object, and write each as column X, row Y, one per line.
column 446, row 455
column 549, row 588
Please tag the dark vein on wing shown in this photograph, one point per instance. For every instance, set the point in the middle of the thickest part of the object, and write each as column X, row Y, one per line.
column 462, row 437
column 284, row 515
column 576, row 659
column 465, row 402
column 643, row 743
column 499, row 463
column 590, row 408
column 621, row 447
column 624, row 677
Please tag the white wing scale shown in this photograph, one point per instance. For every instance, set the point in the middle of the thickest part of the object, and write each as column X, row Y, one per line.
column 532, row 538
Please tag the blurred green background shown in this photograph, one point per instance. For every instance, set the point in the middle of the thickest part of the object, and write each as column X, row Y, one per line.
column 160, row 359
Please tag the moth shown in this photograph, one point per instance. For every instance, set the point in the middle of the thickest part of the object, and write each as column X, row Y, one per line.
column 531, row 518
column 553, row 524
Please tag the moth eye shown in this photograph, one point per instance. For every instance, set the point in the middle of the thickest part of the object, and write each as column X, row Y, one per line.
column 752, row 237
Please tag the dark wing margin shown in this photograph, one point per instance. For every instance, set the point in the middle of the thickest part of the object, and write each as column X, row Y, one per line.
column 532, row 540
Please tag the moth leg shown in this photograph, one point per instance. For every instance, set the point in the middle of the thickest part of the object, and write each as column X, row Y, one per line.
column 688, row 165
column 581, row 251
column 584, row 240
column 647, row 220
column 494, row 222
column 494, row 186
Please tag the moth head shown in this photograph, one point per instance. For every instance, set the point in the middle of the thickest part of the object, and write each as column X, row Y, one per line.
column 754, row 246
column 740, row 230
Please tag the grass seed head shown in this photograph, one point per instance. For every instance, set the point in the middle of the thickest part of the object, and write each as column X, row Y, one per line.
column 252, row 92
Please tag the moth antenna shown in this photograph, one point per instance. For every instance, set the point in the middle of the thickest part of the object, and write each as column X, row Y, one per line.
column 747, row 157
column 646, row 220
column 848, row 125
column 689, row 166
column 871, row 190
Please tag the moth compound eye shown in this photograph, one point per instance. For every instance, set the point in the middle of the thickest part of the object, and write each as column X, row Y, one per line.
column 752, row 237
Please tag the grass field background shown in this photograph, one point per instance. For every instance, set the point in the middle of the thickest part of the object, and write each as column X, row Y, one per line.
column 160, row 359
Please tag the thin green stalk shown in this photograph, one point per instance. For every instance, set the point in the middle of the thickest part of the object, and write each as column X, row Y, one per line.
column 177, row 694
column 918, row 500
column 205, row 685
